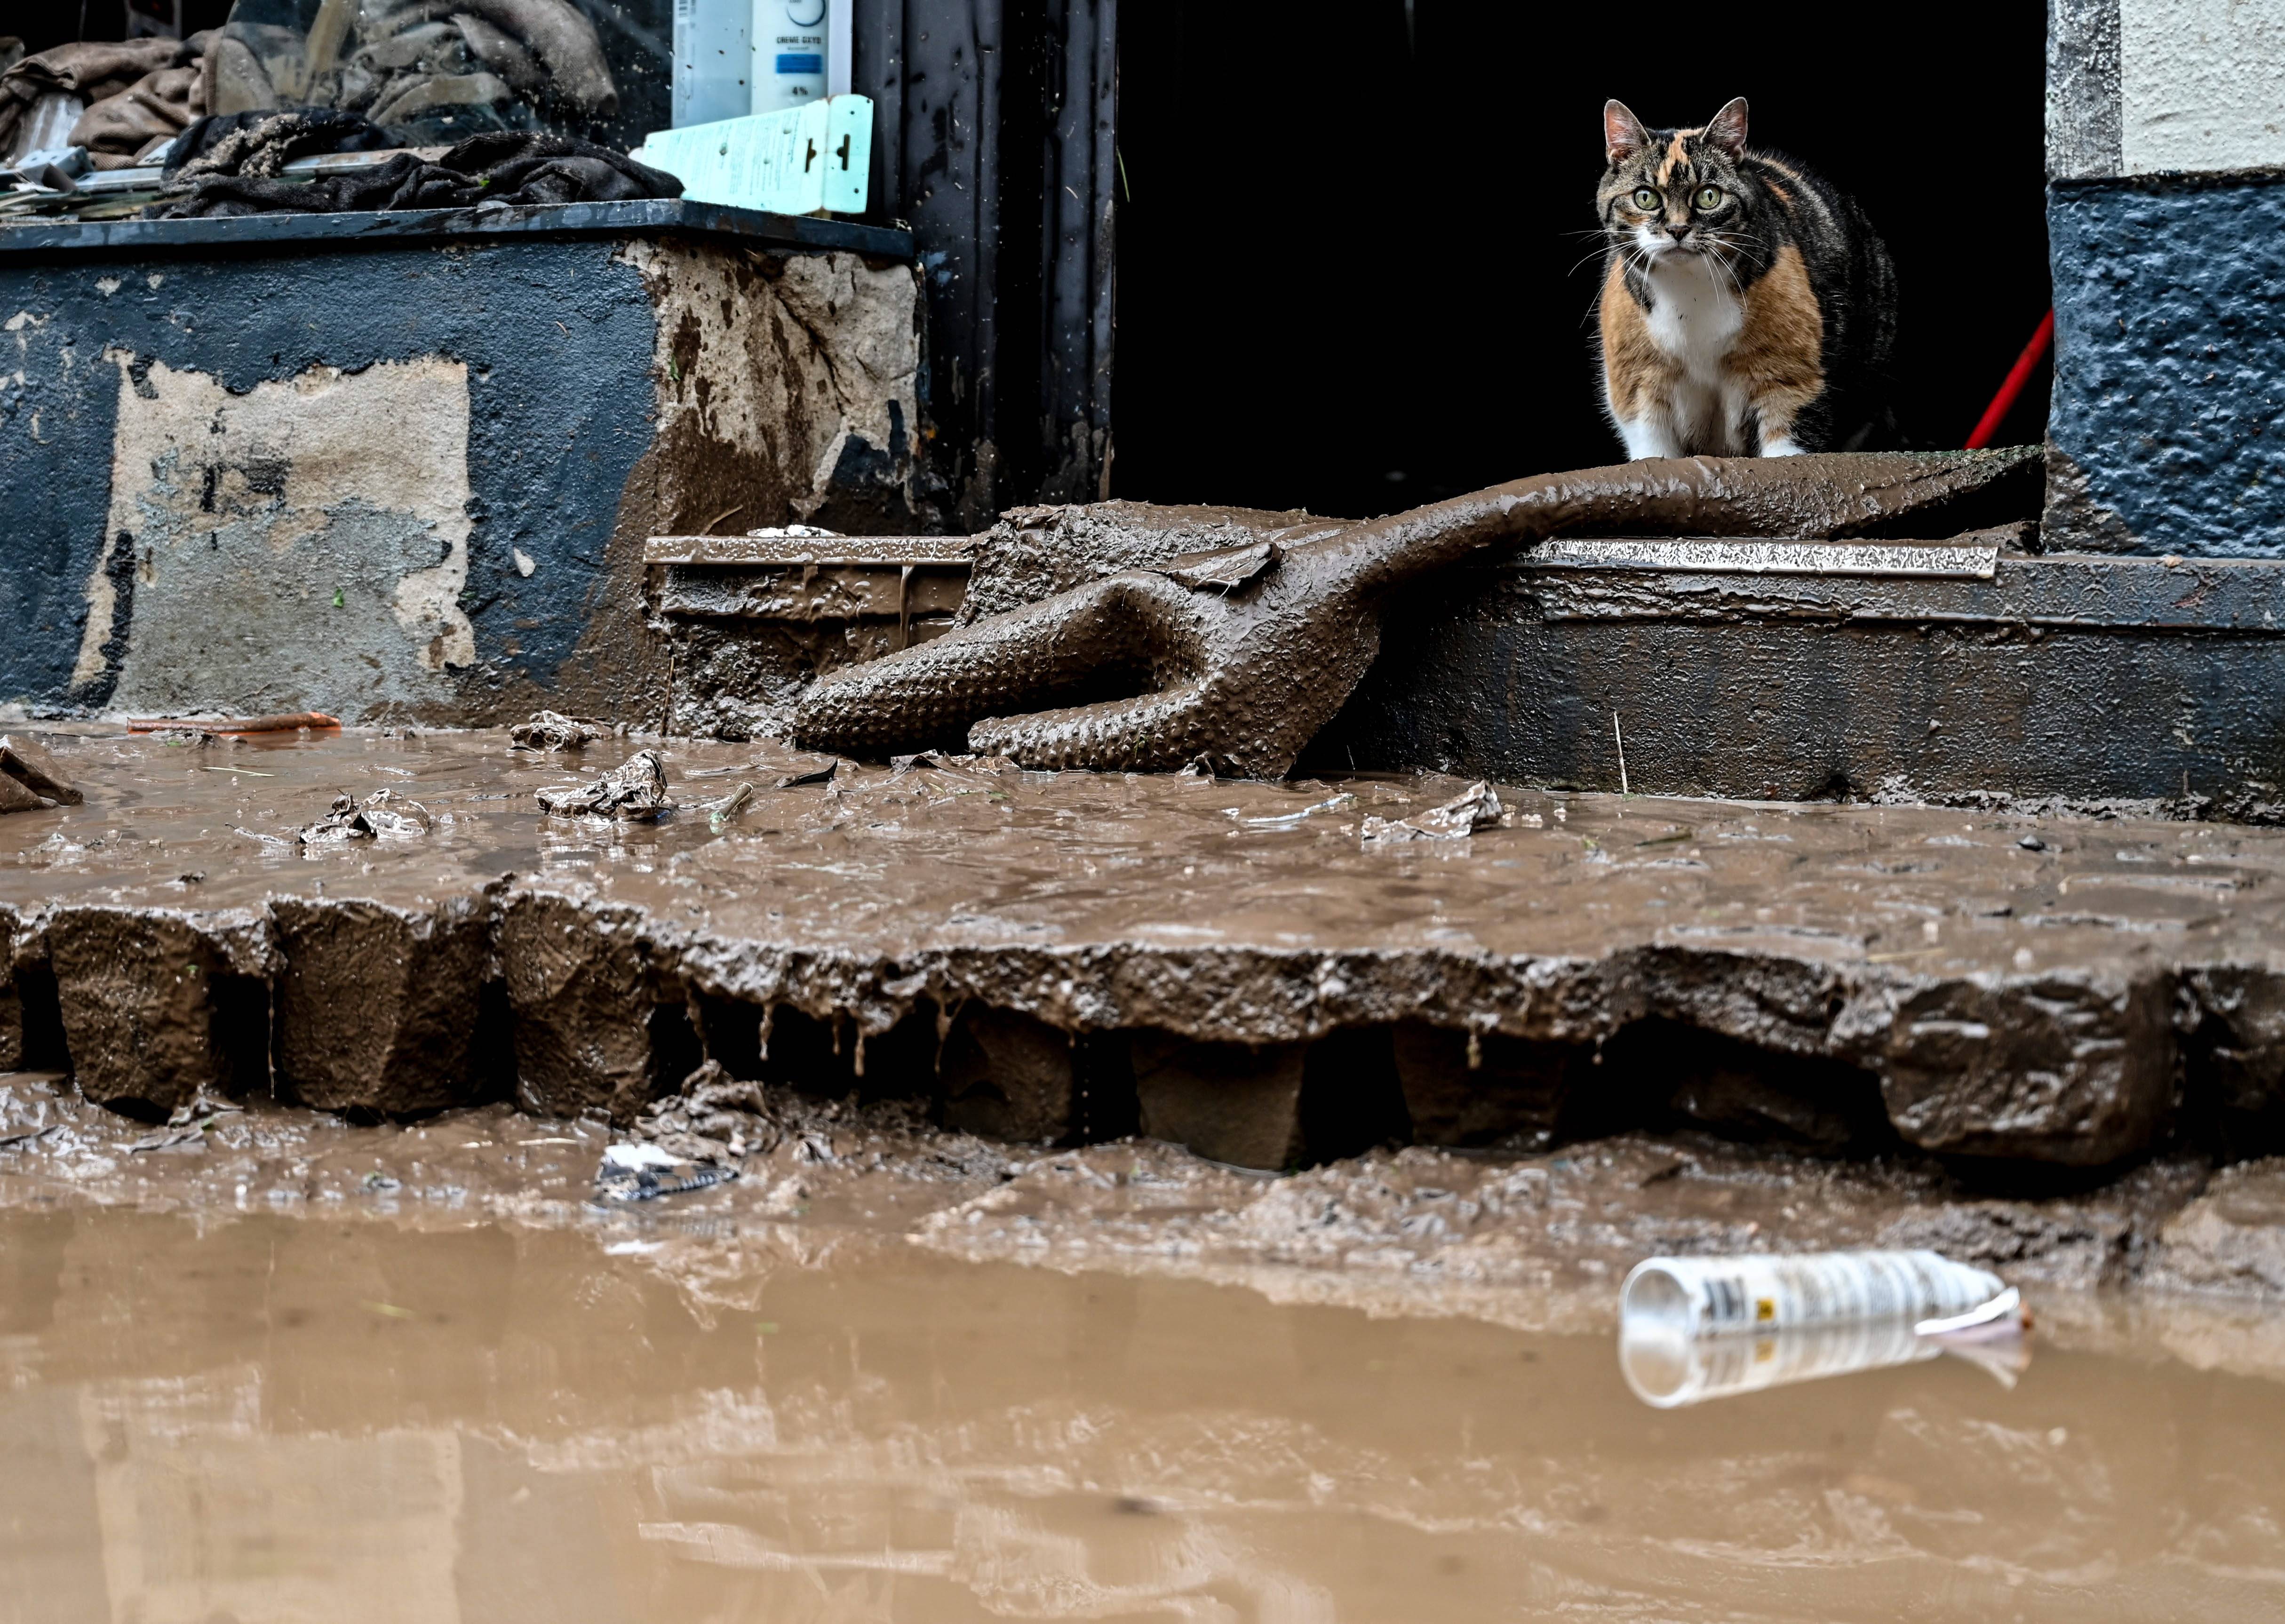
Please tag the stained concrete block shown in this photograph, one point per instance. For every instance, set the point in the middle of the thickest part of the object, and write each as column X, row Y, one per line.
column 2232, row 1238
column 580, row 995
column 1010, row 1076
column 12, row 1001
column 1227, row 1100
column 377, row 1007
column 2236, row 1014
column 2060, row 1069
column 136, row 991
column 1516, row 1089
column 12, row 1027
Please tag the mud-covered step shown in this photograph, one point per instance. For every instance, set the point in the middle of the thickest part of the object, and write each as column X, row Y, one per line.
column 1065, row 957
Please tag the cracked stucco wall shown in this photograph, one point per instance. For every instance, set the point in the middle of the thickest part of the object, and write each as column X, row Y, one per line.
column 412, row 483
column 786, row 389
column 302, row 544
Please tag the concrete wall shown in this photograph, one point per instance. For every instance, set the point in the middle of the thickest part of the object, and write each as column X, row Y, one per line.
column 413, row 482
column 2166, row 139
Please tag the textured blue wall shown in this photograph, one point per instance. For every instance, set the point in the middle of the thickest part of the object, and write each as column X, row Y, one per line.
column 2165, row 432
column 553, row 333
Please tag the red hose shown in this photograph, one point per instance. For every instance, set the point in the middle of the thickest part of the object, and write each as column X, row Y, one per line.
column 1995, row 415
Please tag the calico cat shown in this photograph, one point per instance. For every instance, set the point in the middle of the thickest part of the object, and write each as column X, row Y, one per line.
column 1748, row 307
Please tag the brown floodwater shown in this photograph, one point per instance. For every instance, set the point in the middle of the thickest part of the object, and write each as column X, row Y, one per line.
column 213, row 1416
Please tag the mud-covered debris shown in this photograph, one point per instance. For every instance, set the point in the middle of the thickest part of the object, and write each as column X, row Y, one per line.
column 628, row 1158
column 637, row 790
column 716, row 1119
column 822, row 775
column 719, row 813
column 1224, row 571
column 1343, row 802
column 1476, row 807
column 29, row 778
column 638, row 1171
column 294, row 721
column 547, row 731
column 898, row 765
column 380, row 816
column 178, row 737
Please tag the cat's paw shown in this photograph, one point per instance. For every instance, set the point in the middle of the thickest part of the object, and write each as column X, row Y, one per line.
column 1780, row 448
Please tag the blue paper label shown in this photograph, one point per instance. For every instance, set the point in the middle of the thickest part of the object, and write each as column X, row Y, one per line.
column 789, row 64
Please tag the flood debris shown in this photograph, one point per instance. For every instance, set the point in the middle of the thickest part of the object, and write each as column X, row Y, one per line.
column 637, row 1171
column 1476, row 807
column 898, row 765
column 549, row 732
column 822, row 775
column 1694, row 1329
column 718, row 814
column 636, row 791
column 30, row 780
column 1223, row 570
column 288, row 722
column 719, row 1120
column 380, row 816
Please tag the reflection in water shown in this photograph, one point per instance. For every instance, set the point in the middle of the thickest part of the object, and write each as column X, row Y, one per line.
column 1667, row 1374
column 268, row 1419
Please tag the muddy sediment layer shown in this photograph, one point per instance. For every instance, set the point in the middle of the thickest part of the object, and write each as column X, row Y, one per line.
column 1076, row 957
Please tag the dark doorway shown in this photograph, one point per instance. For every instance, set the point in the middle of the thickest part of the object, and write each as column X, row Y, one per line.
column 1357, row 262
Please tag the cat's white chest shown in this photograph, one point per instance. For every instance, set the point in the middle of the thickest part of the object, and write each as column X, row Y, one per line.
column 1695, row 313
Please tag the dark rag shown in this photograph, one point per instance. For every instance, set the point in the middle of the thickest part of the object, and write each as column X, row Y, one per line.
column 504, row 166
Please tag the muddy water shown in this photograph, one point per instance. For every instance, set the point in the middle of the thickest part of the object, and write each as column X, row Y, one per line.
column 255, row 1417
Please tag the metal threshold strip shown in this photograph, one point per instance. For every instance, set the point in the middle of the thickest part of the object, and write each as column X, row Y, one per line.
column 781, row 550
column 1967, row 557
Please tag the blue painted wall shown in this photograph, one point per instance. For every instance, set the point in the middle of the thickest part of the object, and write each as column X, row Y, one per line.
column 558, row 340
column 2167, row 430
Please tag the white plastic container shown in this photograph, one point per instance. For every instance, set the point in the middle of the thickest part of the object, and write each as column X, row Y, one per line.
column 1691, row 1329
column 792, row 40
column 713, row 61
column 1668, row 1375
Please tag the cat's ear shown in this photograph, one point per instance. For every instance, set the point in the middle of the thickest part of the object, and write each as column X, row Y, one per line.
column 1726, row 129
column 1623, row 135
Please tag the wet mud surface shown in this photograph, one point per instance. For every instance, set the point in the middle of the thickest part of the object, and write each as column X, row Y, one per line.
column 1235, row 967
column 297, row 1369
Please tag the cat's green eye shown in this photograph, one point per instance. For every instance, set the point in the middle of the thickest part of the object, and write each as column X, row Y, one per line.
column 1709, row 197
column 1646, row 198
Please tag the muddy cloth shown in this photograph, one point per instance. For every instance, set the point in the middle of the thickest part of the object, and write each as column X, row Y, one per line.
column 421, row 54
column 147, row 115
column 1247, row 655
column 637, row 790
column 95, row 72
column 549, row 730
column 262, row 143
column 505, row 167
column 381, row 815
